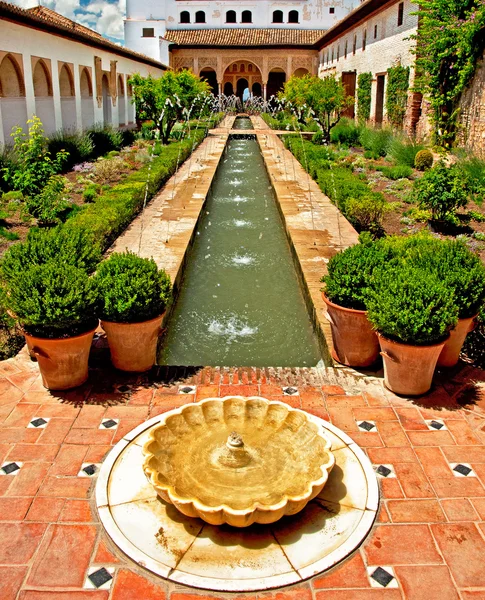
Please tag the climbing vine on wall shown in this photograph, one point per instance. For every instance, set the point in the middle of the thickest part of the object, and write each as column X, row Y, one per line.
column 397, row 94
column 364, row 86
column 449, row 42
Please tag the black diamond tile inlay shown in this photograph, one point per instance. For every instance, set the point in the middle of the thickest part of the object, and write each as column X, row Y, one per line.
column 124, row 388
column 186, row 390
column 384, row 471
column 291, row 391
column 366, row 425
column 100, row 577
column 10, row 468
column 90, row 470
column 382, row 576
column 38, row 422
column 462, row 469
column 109, row 424
column 436, row 425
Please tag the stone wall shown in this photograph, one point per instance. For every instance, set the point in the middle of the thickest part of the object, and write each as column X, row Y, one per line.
column 472, row 119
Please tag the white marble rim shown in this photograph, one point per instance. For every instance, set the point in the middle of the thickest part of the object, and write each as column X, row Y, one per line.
column 240, row 585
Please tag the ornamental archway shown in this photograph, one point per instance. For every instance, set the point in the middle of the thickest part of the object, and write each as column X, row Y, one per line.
column 242, row 73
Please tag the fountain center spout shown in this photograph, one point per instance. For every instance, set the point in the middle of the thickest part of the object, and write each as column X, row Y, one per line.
column 234, row 454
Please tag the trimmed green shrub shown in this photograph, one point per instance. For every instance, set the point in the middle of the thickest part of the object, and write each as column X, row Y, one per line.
column 104, row 139
column 404, row 152
column 346, row 132
column 79, row 147
column 340, row 184
column 73, row 246
column 441, row 190
column 131, row 289
column 367, row 213
column 376, row 141
column 51, row 300
column 349, row 275
column 423, row 160
column 410, row 305
column 397, row 172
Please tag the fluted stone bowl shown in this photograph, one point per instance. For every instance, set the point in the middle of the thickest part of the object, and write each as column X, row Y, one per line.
column 237, row 460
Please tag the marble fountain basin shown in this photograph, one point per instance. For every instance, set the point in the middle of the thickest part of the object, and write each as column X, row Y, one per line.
column 237, row 461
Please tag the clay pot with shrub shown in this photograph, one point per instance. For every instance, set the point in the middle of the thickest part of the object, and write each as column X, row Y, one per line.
column 413, row 312
column 132, row 297
column 50, row 292
column 349, row 274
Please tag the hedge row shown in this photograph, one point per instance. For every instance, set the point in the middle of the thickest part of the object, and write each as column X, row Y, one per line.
column 113, row 211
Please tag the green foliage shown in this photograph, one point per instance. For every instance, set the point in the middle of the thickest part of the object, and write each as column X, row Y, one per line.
column 441, row 190
column 323, row 99
column 11, row 236
column 476, row 216
column 6, row 164
column 397, row 94
column 169, row 98
column 364, row 89
column 474, row 172
column 474, row 346
column 51, row 300
column 409, row 305
column 340, row 184
column 12, row 197
column 350, row 272
column 404, row 151
column 317, row 139
column 376, row 141
column 48, row 205
column 104, row 139
column 367, row 212
column 90, row 194
column 131, row 289
column 148, row 130
column 128, row 136
column 423, row 160
column 79, row 147
column 34, row 164
column 346, row 132
column 397, row 172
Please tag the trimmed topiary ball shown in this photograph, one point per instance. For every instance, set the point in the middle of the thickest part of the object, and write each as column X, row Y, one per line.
column 131, row 289
column 423, row 160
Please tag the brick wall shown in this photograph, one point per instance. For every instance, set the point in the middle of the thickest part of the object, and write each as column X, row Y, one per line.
column 472, row 118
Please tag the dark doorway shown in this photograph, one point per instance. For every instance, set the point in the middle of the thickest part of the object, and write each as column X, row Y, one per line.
column 257, row 89
column 210, row 76
column 349, row 79
column 276, row 81
column 381, row 82
column 228, row 89
column 242, row 84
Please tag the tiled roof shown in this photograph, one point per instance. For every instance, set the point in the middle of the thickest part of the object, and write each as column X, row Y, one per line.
column 244, row 37
column 47, row 20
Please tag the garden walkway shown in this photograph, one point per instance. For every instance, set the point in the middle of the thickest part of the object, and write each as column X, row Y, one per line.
column 430, row 537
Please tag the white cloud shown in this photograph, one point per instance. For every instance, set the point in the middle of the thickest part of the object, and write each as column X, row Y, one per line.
column 103, row 16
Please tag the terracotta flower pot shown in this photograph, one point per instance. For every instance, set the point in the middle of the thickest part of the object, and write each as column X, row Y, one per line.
column 63, row 362
column 355, row 342
column 451, row 351
column 133, row 346
column 408, row 369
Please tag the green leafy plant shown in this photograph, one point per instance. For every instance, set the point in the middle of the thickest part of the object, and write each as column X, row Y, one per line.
column 404, row 151
column 476, row 216
column 423, row 160
column 376, row 141
column 79, row 147
column 349, row 274
column 407, row 304
column 367, row 212
column 441, row 190
column 6, row 165
column 104, row 139
column 397, row 172
column 397, row 94
column 34, row 165
column 90, row 194
column 474, row 172
column 131, row 289
column 107, row 170
column 340, row 184
column 48, row 205
column 51, row 300
column 346, row 132
column 364, row 92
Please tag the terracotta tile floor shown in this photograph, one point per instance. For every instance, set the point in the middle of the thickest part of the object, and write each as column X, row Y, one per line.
column 429, row 542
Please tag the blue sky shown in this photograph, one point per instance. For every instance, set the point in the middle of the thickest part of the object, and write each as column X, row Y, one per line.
column 103, row 15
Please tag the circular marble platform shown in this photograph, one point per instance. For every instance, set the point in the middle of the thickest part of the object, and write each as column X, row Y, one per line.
column 188, row 551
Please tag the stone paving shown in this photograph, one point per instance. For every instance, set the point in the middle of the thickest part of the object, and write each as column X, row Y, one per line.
column 429, row 455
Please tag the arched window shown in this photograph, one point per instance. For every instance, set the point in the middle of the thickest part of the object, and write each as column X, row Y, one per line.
column 42, row 80
column 11, row 79
column 200, row 16
column 185, row 16
column 231, row 16
column 293, row 16
column 66, row 83
column 247, row 16
column 85, row 84
column 278, row 16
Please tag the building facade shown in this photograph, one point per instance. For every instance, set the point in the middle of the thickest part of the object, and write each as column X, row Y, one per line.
column 66, row 74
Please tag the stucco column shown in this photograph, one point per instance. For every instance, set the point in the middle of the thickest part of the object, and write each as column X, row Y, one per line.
column 264, row 90
column 2, row 138
column 77, row 98
column 127, row 102
column 56, row 92
column 29, row 86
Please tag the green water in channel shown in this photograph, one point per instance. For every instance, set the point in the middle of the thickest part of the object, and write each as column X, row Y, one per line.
column 240, row 302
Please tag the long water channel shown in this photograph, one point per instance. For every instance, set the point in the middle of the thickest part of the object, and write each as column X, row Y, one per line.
column 240, row 302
